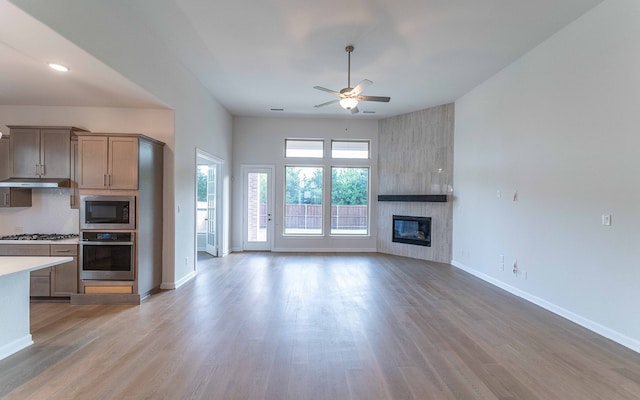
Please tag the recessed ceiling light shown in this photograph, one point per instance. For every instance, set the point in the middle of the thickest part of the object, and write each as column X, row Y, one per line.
column 59, row 67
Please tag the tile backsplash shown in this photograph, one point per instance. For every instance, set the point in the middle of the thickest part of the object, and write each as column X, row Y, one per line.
column 50, row 213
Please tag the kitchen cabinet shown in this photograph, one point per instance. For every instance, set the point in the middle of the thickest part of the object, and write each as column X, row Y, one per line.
column 75, row 195
column 11, row 197
column 58, row 281
column 64, row 277
column 108, row 162
column 40, row 153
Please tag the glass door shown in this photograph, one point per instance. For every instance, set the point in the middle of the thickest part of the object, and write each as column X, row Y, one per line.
column 212, row 220
column 258, row 208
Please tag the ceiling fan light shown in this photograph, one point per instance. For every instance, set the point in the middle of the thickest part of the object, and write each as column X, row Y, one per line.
column 348, row 103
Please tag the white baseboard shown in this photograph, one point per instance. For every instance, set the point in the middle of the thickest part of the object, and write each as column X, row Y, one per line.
column 177, row 284
column 330, row 250
column 617, row 337
column 15, row 346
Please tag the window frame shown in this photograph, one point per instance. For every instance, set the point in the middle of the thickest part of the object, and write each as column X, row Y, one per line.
column 368, row 142
column 321, row 141
column 368, row 228
column 322, row 203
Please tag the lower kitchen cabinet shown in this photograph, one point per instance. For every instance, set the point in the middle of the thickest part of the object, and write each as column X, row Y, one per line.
column 64, row 277
column 58, row 281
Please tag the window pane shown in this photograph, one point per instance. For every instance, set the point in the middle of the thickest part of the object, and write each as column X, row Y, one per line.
column 304, row 148
column 350, row 201
column 346, row 149
column 303, row 201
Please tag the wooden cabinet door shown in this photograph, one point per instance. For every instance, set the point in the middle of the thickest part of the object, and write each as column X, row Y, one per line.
column 73, row 165
column 64, row 278
column 92, row 162
column 40, row 282
column 55, row 148
column 123, row 162
column 25, row 153
column 4, row 157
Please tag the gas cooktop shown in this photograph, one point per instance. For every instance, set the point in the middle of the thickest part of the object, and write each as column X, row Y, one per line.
column 40, row 236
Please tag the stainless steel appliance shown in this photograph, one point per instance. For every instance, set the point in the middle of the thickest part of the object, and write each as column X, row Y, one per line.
column 107, row 255
column 108, row 212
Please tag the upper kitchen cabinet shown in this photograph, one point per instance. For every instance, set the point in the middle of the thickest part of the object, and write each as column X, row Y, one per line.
column 41, row 151
column 10, row 197
column 108, row 162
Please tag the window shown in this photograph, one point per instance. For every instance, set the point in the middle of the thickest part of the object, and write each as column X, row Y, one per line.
column 303, row 200
column 349, row 149
column 349, row 200
column 304, row 148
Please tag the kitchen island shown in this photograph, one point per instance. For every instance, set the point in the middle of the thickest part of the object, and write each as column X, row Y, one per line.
column 14, row 299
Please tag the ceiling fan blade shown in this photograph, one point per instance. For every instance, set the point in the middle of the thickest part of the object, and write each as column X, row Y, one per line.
column 361, row 86
column 326, row 90
column 374, row 98
column 327, row 103
column 355, row 110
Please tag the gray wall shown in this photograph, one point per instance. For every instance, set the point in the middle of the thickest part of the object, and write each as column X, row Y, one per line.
column 416, row 157
column 560, row 127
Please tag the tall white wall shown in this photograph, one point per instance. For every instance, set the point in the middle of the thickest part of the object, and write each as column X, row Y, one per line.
column 561, row 127
column 110, row 32
column 260, row 141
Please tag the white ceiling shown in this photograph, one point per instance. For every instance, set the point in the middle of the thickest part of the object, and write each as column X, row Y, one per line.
column 255, row 55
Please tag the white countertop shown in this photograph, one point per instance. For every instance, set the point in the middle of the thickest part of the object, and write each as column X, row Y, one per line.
column 61, row 241
column 12, row 265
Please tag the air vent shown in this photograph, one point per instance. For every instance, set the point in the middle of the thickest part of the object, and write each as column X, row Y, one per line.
column 277, row 109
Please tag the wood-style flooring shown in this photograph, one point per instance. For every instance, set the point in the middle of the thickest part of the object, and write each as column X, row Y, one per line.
column 318, row 326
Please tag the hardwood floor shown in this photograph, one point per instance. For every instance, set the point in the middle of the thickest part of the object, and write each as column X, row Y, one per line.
column 318, row 326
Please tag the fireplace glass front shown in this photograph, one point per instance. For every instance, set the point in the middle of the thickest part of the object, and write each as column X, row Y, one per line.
column 412, row 230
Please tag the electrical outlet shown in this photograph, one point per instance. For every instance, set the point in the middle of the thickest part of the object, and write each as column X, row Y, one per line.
column 515, row 268
column 606, row 219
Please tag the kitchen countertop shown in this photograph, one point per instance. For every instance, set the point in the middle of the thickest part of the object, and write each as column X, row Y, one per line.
column 11, row 265
column 61, row 241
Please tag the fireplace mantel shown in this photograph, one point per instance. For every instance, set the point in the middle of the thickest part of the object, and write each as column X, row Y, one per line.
column 424, row 198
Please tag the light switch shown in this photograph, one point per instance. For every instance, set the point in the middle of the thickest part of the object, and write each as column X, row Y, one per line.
column 606, row 219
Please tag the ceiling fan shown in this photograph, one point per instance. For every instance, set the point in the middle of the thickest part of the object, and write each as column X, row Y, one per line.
column 349, row 97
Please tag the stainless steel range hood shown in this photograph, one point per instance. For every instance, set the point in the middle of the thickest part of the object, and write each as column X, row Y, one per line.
column 36, row 183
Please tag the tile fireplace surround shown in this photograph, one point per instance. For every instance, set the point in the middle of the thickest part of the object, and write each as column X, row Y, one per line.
column 426, row 139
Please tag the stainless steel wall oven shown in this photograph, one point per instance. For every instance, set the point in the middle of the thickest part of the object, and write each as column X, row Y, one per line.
column 107, row 255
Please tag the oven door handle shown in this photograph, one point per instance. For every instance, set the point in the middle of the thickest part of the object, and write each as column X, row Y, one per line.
column 90, row 243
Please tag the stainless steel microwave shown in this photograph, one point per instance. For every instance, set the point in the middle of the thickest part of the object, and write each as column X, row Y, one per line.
column 107, row 212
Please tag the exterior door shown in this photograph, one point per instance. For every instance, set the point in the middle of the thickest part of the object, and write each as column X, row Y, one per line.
column 258, row 208
column 212, row 220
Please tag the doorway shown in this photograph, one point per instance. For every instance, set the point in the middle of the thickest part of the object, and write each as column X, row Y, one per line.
column 258, row 208
column 208, row 201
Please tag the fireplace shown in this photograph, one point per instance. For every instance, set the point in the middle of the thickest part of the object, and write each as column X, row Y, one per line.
column 412, row 230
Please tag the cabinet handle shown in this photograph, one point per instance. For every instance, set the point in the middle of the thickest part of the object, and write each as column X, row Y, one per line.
column 37, row 170
column 6, row 199
column 42, row 173
column 104, row 180
column 63, row 251
column 109, row 180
